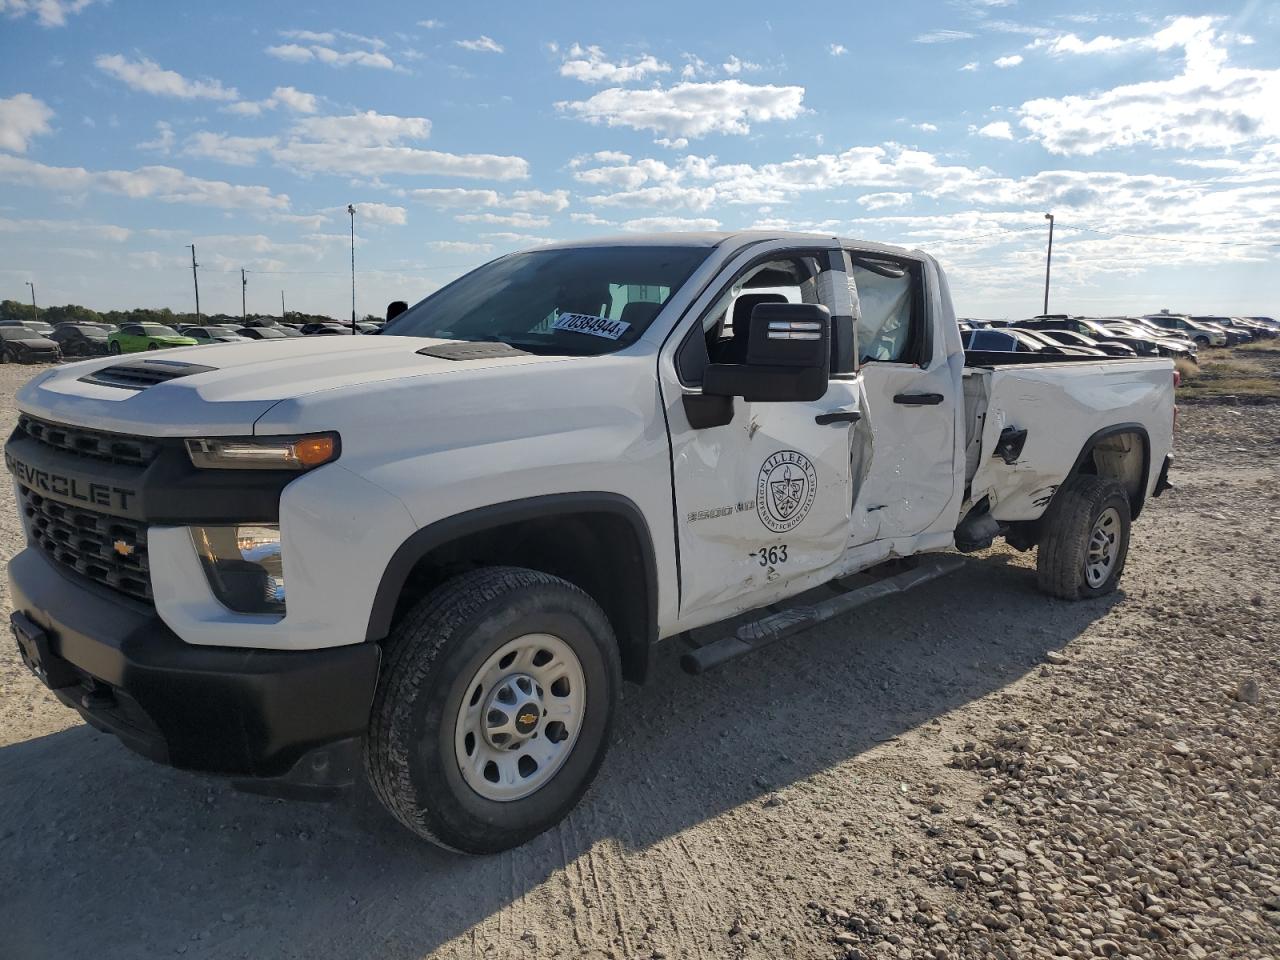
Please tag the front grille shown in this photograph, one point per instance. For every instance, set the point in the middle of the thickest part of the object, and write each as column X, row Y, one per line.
column 86, row 541
column 96, row 444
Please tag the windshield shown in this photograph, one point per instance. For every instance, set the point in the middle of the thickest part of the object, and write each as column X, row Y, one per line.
column 158, row 330
column 18, row 333
column 583, row 300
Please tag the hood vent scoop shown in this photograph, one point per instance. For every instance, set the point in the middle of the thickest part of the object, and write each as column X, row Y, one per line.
column 466, row 350
column 141, row 374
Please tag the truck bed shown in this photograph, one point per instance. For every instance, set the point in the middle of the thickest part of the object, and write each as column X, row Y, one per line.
column 1062, row 404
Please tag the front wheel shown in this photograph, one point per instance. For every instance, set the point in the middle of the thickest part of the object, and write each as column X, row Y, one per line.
column 493, row 709
column 1086, row 539
column 1202, row 342
column 152, row 346
column 115, row 347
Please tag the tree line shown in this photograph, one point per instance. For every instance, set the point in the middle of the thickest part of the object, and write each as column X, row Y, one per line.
column 74, row 313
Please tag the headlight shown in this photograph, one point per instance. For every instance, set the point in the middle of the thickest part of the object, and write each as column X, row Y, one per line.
column 264, row 453
column 243, row 565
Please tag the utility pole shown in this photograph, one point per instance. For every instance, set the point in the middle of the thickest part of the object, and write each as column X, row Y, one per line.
column 33, row 298
column 352, row 210
column 282, row 311
column 243, row 285
column 1048, row 262
column 195, row 279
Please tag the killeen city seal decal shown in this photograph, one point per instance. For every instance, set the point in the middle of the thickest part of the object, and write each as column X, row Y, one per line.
column 785, row 490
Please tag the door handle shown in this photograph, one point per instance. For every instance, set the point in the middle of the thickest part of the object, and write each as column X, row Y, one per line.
column 918, row 399
column 837, row 416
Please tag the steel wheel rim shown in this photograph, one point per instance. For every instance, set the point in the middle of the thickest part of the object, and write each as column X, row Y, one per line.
column 504, row 752
column 1103, row 549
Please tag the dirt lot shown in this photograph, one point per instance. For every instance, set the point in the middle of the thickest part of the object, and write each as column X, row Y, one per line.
column 974, row 771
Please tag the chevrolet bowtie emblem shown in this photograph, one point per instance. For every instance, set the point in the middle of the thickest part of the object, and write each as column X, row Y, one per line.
column 124, row 548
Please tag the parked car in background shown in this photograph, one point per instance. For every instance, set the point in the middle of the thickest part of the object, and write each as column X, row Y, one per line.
column 213, row 334
column 1261, row 331
column 1236, row 334
column 1049, row 345
column 1016, row 340
column 1111, row 348
column 262, row 333
column 1150, row 341
column 1087, row 327
column 136, row 337
column 1269, row 322
column 324, row 329
column 1204, row 335
column 38, row 326
column 80, row 339
column 20, row 345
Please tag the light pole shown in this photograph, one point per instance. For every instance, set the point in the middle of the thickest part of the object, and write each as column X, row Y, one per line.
column 33, row 298
column 352, row 210
column 195, row 279
column 244, row 284
column 1048, row 262
column 282, row 312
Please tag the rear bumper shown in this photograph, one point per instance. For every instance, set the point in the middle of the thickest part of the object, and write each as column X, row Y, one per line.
column 238, row 712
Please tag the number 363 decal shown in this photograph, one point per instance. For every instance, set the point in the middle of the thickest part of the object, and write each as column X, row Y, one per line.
column 771, row 556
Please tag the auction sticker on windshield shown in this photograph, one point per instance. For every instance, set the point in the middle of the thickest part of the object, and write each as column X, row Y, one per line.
column 595, row 326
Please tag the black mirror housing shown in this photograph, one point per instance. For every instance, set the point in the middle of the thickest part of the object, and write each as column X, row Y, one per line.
column 788, row 356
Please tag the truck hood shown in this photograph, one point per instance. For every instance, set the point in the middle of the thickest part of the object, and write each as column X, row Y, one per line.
column 222, row 389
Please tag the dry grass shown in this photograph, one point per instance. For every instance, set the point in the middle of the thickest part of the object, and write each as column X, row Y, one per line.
column 1252, row 370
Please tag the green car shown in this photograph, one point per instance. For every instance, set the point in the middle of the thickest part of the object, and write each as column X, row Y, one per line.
column 135, row 337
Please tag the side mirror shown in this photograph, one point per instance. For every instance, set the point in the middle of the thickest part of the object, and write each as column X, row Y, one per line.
column 788, row 356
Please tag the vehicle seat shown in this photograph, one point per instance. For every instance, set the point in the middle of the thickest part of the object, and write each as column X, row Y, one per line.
column 640, row 314
column 734, row 350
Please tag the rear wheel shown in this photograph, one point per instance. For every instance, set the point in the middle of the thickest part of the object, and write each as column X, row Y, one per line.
column 115, row 346
column 494, row 708
column 1202, row 341
column 152, row 346
column 1086, row 539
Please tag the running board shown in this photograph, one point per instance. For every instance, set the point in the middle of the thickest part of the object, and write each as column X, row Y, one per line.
column 785, row 623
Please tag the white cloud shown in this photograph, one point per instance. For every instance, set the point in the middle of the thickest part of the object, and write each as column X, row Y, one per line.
column 459, row 246
column 672, row 143
column 369, row 128
column 662, row 224
column 294, row 99
column 1010, row 61
column 166, row 184
column 518, row 239
column 456, row 197
column 590, row 65
column 944, row 36
column 224, row 148
column 290, row 98
column 970, row 67
column 481, row 44
column 522, row 220
column 691, row 109
column 838, row 49
column 997, row 130
column 381, row 214
column 734, row 66
column 370, row 144
column 925, row 127
column 164, row 140
column 1209, row 105
column 22, row 118
column 66, row 228
column 147, row 76
column 322, row 47
column 591, row 219
column 430, row 24
column 49, row 13
column 882, row 201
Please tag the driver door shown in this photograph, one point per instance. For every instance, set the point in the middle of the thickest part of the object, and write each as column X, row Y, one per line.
column 763, row 494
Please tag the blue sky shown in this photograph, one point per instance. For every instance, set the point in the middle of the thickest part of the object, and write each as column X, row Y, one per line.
column 460, row 132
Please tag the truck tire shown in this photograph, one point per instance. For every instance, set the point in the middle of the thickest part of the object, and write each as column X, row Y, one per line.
column 1085, row 540
column 494, row 708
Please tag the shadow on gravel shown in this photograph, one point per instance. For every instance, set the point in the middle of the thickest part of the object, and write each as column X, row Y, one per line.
column 103, row 854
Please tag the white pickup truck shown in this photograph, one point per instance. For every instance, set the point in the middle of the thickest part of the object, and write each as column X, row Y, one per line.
column 438, row 552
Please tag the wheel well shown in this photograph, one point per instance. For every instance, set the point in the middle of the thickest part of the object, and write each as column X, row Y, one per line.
column 1122, row 455
column 600, row 551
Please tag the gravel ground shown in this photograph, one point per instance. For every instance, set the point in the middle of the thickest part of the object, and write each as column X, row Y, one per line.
column 976, row 771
